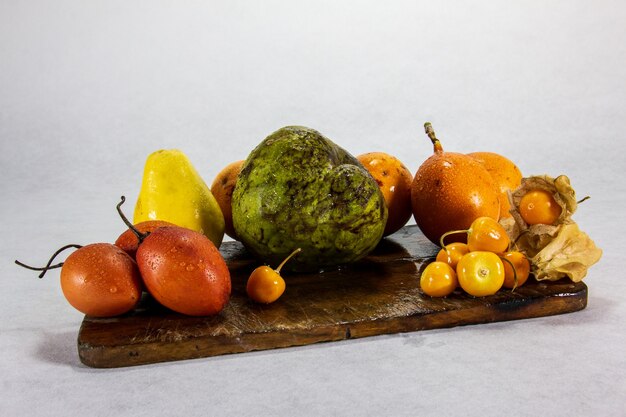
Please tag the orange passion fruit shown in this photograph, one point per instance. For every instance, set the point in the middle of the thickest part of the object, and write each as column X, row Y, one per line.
column 394, row 180
column 506, row 175
column 450, row 190
column 222, row 189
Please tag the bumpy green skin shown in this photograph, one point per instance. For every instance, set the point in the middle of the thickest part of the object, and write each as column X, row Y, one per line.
column 299, row 189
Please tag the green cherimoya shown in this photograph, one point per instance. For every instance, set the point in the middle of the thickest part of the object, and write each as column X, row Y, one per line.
column 299, row 189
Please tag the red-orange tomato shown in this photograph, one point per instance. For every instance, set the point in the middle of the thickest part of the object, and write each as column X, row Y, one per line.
column 101, row 280
column 438, row 279
column 539, row 207
column 184, row 271
column 522, row 269
column 128, row 240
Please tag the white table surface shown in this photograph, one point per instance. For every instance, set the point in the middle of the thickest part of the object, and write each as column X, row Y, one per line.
column 89, row 89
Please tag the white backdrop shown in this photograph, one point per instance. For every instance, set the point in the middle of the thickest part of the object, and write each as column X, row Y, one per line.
column 89, row 88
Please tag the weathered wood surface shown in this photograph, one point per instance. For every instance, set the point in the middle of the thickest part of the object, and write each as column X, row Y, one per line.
column 378, row 295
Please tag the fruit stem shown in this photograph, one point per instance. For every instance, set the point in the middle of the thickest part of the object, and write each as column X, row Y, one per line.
column 583, row 199
column 49, row 264
column 514, row 272
column 140, row 236
column 286, row 259
column 428, row 127
column 522, row 233
column 451, row 232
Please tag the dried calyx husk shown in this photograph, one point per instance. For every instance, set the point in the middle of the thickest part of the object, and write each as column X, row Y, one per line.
column 555, row 250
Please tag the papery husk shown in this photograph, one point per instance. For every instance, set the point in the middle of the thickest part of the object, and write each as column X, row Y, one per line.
column 569, row 254
column 556, row 250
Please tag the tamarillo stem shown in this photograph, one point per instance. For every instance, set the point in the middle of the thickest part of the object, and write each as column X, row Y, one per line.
column 49, row 264
column 514, row 272
column 140, row 236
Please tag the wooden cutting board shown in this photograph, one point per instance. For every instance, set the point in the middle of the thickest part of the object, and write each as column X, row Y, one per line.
column 378, row 295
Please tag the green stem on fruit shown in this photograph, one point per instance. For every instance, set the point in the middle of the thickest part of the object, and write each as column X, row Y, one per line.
column 585, row 198
column 514, row 272
column 452, row 232
column 428, row 127
column 140, row 236
column 522, row 233
column 49, row 264
column 286, row 259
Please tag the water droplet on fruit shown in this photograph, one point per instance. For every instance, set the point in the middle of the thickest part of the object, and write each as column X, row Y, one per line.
column 190, row 268
column 113, row 289
column 182, row 263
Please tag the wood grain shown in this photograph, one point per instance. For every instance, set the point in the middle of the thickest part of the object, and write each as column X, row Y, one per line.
column 378, row 295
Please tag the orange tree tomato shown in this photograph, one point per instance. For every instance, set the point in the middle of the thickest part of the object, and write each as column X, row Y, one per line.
column 522, row 269
column 480, row 273
column 451, row 253
column 394, row 180
column 101, row 280
column 438, row 279
column 539, row 207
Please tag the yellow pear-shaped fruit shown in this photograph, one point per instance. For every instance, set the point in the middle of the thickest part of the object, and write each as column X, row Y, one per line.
column 173, row 191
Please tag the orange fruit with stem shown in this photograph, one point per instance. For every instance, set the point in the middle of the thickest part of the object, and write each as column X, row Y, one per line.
column 516, row 270
column 438, row 279
column 506, row 175
column 265, row 284
column 222, row 189
column 182, row 269
column 99, row 279
column 394, row 180
column 451, row 253
column 450, row 190
column 484, row 234
column 128, row 240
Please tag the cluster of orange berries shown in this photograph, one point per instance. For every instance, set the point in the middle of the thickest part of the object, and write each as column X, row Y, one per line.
column 486, row 262
column 480, row 267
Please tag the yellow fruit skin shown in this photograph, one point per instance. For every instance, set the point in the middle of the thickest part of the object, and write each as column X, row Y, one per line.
column 173, row 191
